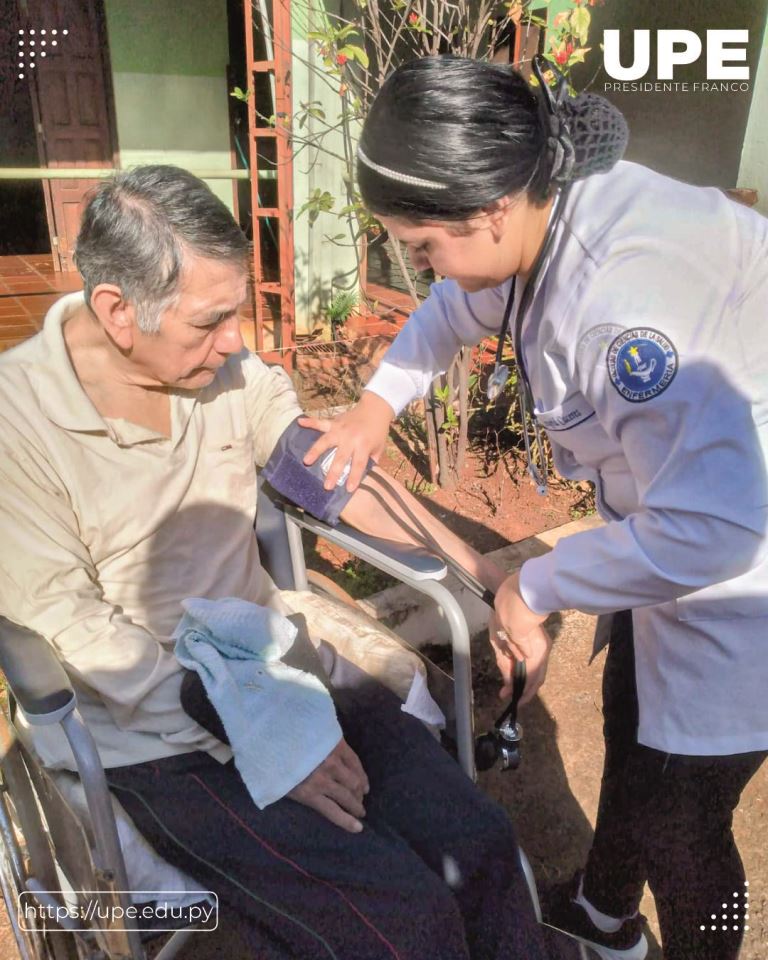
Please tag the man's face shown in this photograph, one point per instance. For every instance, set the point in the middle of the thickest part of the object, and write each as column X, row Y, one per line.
column 198, row 331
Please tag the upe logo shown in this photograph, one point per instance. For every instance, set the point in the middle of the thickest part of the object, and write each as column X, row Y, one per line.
column 675, row 48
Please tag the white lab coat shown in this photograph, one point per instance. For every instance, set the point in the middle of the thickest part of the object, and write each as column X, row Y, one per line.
column 646, row 346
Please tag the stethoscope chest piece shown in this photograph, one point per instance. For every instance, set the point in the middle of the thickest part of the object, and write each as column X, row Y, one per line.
column 503, row 742
column 497, row 381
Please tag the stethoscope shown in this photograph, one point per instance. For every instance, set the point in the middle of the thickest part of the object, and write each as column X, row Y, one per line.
column 537, row 468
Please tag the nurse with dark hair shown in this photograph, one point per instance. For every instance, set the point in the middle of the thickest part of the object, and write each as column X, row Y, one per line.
column 636, row 306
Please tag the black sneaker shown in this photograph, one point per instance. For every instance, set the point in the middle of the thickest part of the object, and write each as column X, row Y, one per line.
column 561, row 912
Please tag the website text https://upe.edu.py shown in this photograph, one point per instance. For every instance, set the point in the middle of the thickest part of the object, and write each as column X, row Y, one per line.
column 154, row 913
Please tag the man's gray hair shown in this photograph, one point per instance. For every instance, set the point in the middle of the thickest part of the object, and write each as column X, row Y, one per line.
column 136, row 228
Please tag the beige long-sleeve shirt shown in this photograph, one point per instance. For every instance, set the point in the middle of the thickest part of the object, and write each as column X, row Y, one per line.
column 106, row 526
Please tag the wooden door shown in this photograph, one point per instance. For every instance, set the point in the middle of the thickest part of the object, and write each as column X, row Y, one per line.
column 72, row 100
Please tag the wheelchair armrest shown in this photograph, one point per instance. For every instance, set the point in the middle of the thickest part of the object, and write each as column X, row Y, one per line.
column 402, row 560
column 35, row 677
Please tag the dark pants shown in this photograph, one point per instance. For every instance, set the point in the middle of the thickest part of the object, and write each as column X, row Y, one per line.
column 308, row 889
column 666, row 819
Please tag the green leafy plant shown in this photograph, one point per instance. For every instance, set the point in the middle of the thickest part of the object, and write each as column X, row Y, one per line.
column 319, row 201
column 361, row 580
column 340, row 309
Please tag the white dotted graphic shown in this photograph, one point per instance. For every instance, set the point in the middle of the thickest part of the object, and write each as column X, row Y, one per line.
column 735, row 915
column 26, row 51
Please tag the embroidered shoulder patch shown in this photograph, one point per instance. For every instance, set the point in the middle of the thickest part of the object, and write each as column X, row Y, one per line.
column 642, row 363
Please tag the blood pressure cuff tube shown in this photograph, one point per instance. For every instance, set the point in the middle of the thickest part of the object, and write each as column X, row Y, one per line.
column 303, row 485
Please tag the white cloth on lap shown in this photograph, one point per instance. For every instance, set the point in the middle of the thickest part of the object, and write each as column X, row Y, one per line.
column 281, row 722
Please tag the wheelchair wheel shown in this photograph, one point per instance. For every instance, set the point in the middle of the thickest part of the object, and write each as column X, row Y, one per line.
column 325, row 587
column 31, row 943
column 20, row 813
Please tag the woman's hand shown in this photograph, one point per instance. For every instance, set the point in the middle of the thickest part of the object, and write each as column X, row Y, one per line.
column 538, row 644
column 358, row 434
column 518, row 635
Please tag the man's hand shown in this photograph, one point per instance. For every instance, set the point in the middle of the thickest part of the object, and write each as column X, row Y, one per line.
column 336, row 788
column 356, row 435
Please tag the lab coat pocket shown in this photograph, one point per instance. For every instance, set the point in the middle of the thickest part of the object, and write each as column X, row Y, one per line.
column 744, row 597
column 578, row 438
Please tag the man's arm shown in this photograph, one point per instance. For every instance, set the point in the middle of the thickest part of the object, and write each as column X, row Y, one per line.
column 382, row 508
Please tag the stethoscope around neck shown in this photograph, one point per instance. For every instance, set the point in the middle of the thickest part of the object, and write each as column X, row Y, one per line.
column 550, row 103
column 536, row 466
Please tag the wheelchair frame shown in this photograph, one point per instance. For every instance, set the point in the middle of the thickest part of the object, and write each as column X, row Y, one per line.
column 40, row 687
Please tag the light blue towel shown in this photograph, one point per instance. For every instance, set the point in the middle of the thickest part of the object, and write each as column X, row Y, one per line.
column 281, row 722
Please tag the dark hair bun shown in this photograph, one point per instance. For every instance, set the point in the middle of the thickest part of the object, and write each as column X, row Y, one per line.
column 599, row 134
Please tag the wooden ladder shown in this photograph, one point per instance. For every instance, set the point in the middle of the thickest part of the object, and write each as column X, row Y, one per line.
column 270, row 149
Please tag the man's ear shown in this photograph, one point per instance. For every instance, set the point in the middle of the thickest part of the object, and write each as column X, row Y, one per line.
column 115, row 314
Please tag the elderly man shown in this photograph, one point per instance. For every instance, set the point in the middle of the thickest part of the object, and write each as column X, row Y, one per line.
column 131, row 431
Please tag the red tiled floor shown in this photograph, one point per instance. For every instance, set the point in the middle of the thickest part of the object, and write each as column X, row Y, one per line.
column 32, row 285
column 10, row 307
column 66, row 282
column 37, row 305
column 12, row 331
column 11, row 280
column 34, row 274
column 42, row 264
column 14, row 265
column 7, row 344
column 28, row 287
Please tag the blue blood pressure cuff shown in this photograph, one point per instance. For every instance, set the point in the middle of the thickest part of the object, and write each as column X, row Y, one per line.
column 288, row 474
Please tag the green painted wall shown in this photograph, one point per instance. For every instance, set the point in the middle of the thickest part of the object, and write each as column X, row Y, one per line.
column 753, row 171
column 169, row 65
column 320, row 264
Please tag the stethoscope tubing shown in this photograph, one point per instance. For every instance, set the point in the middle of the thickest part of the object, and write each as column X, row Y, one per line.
column 525, row 393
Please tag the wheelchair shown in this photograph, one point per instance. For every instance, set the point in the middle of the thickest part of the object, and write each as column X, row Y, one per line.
column 50, row 844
